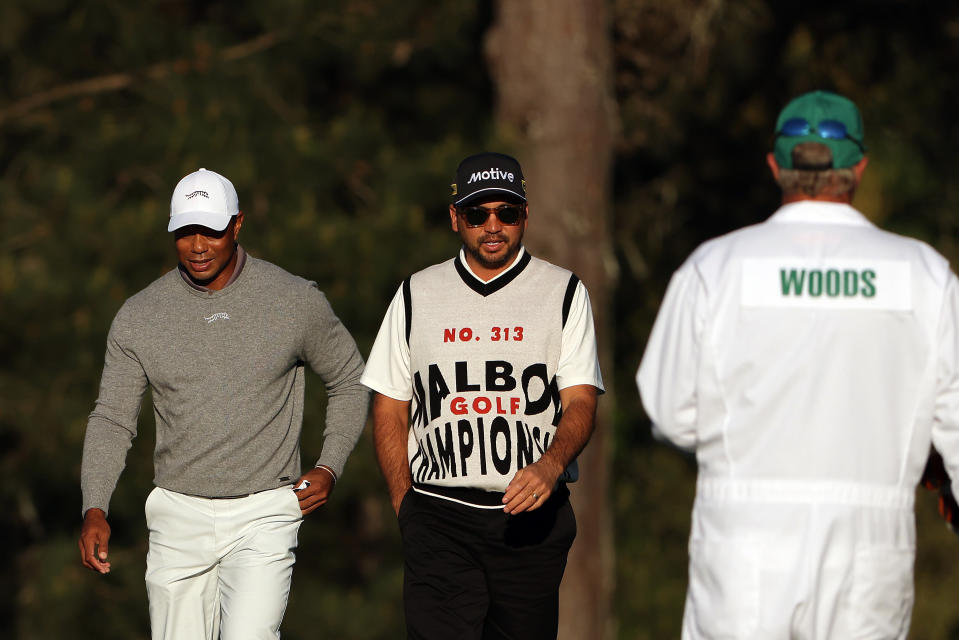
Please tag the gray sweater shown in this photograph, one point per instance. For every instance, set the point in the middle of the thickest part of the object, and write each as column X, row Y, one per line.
column 226, row 372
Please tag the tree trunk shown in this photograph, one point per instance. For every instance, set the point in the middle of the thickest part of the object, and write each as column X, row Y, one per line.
column 550, row 64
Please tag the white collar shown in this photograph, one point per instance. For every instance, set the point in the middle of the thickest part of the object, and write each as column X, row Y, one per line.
column 819, row 212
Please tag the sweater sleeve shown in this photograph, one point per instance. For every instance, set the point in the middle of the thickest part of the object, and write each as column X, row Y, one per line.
column 113, row 423
column 331, row 352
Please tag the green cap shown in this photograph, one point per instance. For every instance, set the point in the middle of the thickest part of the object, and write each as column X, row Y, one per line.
column 814, row 107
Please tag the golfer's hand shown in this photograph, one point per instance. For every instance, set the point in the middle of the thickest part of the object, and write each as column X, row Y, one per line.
column 314, row 496
column 531, row 486
column 95, row 541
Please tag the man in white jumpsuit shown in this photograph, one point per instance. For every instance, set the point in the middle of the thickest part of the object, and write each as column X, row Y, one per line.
column 809, row 361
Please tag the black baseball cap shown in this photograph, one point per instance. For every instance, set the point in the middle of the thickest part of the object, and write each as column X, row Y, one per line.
column 488, row 175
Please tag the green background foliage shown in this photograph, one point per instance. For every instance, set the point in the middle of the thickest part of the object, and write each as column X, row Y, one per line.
column 340, row 124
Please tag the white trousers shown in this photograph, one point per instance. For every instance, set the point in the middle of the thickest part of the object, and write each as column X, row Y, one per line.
column 789, row 560
column 220, row 568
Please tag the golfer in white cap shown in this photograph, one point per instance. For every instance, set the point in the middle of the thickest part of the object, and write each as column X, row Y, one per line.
column 221, row 341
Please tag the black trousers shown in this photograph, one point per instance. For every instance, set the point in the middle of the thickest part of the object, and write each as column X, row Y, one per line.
column 479, row 574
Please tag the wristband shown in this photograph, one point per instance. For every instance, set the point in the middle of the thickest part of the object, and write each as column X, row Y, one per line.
column 328, row 470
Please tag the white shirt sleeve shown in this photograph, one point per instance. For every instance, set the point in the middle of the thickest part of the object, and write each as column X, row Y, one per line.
column 945, row 427
column 578, row 357
column 388, row 367
column 668, row 372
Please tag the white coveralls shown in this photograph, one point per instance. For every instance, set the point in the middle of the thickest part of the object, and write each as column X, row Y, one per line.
column 809, row 361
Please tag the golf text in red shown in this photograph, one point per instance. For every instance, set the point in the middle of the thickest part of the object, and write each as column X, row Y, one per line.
column 483, row 405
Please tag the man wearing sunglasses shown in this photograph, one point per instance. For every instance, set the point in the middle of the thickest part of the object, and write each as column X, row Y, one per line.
column 486, row 379
column 809, row 361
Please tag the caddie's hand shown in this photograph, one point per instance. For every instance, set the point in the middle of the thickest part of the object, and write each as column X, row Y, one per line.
column 531, row 486
column 314, row 496
column 95, row 541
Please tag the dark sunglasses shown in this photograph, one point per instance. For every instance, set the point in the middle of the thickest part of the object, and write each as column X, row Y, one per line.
column 826, row 129
column 508, row 214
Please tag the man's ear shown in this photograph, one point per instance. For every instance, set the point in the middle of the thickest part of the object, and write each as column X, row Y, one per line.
column 454, row 223
column 773, row 165
column 237, row 224
column 860, row 168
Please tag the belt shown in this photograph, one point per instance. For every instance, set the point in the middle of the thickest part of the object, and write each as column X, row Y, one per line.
column 237, row 496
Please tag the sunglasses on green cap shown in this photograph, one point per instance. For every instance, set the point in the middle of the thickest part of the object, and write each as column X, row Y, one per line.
column 826, row 129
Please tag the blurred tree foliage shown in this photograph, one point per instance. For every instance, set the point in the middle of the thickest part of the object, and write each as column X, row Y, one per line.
column 340, row 124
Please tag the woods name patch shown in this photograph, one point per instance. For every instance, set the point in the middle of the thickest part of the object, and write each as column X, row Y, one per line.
column 826, row 283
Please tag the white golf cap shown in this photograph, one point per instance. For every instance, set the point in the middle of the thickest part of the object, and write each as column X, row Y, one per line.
column 204, row 198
